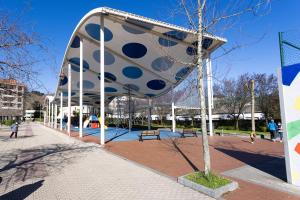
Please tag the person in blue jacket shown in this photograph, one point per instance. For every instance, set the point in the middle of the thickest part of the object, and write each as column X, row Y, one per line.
column 14, row 130
column 272, row 127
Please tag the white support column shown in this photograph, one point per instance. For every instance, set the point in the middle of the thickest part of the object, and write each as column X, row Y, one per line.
column 49, row 112
column 102, row 102
column 209, row 95
column 129, row 112
column 149, row 113
column 52, row 115
column 55, row 116
column 69, row 98
column 80, row 87
column 173, row 113
column 61, row 110
column 44, row 114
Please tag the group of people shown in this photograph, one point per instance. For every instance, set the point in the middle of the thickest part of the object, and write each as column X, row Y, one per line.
column 275, row 130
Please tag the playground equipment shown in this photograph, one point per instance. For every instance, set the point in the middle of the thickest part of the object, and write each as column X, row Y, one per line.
column 92, row 122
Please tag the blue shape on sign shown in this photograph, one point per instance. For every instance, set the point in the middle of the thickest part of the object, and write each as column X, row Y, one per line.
column 94, row 31
column 132, row 72
column 289, row 73
column 134, row 50
column 156, row 84
column 109, row 77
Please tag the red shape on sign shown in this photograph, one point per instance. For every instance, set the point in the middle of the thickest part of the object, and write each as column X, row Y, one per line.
column 297, row 148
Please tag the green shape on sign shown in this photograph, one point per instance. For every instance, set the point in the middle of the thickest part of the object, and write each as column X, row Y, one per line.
column 293, row 129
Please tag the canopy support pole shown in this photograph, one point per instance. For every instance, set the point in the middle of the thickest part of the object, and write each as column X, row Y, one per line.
column 61, row 110
column 49, row 111
column 129, row 111
column 149, row 113
column 44, row 114
column 55, row 116
column 102, row 102
column 173, row 112
column 80, row 87
column 69, row 98
column 209, row 94
column 52, row 114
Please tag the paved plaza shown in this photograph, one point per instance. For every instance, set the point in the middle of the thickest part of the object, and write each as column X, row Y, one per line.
column 44, row 164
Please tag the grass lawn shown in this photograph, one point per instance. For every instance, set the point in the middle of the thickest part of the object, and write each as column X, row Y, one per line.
column 211, row 181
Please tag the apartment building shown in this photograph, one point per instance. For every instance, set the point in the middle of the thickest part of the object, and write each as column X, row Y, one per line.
column 11, row 99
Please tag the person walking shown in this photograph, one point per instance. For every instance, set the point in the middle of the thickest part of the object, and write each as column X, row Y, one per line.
column 280, row 131
column 14, row 130
column 272, row 127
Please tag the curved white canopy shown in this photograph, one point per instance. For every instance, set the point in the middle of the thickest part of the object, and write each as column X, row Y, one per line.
column 145, row 56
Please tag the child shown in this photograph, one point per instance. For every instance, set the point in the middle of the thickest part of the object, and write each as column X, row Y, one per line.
column 280, row 131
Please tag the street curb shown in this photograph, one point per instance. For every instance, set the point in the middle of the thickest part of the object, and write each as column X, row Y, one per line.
column 215, row 193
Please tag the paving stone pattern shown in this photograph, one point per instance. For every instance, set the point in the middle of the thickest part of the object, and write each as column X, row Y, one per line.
column 44, row 164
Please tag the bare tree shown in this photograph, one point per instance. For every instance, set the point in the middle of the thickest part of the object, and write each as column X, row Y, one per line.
column 20, row 50
column 266, row 92
column 233, row 96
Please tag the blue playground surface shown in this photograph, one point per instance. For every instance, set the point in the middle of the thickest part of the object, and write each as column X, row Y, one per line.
column 121, row 134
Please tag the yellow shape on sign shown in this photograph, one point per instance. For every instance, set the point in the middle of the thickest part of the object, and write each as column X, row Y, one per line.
column 297, row 103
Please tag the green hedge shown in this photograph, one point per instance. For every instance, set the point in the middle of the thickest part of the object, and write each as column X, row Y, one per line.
column 8, row 122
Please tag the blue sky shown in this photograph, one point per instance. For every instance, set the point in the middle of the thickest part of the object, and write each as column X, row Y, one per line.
column 55, row 21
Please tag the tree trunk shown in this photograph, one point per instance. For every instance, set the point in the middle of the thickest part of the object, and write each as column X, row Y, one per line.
column 206, row 155
column 237, row 123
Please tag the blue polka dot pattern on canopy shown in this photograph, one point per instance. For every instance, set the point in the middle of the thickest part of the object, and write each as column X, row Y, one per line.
column 139, row 24
column 89, row 94
column 134, row 50
column 94, row 31
column 156, row 84
column 181, row 73
column 132, row 72
column 172, row 34
column 110, row 89
column 65, row 94
column 108, row 57
column 162, row 64
column 132, row 30
column 109, row 77
column 150, row 95
column 76, row 67
column 86, row 84
column 205, row 45
column 63, row 81
column 132, row 87
column 76, row 42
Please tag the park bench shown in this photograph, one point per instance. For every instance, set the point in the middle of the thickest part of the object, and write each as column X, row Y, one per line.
column 188, row 131
column 149, row 133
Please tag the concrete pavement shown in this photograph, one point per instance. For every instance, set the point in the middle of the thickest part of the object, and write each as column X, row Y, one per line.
column 45, row 164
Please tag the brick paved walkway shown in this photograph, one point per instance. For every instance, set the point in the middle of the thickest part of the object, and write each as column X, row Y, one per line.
column 44, row 164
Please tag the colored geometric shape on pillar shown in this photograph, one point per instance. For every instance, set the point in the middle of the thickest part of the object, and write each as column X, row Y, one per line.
column 293, row 129
column 295, row 175
column 289, row 73
column 297, row 148
column 297, row 103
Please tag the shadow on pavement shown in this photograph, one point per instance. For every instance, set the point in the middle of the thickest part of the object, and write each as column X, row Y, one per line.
column 24, row 164
column 272, row 165
column 22, row 192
